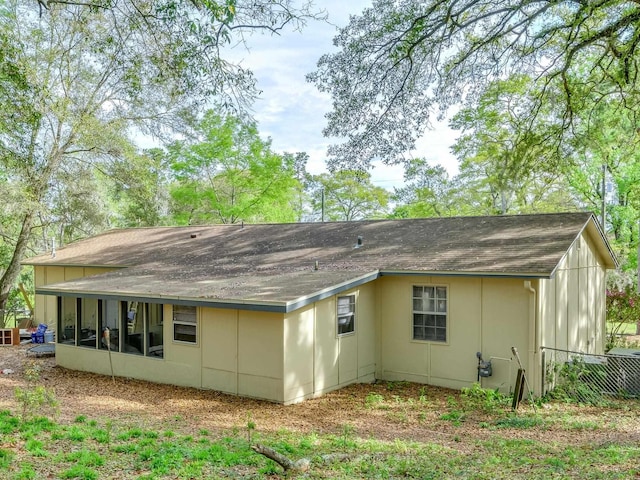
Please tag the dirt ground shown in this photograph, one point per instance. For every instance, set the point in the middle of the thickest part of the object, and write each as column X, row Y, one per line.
column 411, row 412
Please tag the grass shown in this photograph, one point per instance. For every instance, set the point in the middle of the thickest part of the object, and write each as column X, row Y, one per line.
column 628, row 328
column 470, row 435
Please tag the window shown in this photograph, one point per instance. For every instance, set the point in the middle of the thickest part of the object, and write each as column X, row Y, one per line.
column 430, row 313
column 346, row 314
column 184, row 324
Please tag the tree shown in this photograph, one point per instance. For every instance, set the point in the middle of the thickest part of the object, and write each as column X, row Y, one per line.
column 508, row 156
column 347, row 195
column 427, row 191
column 398, row 61
column 608, row 139
column 77, row 79
column 299, row 161
column 73, row 206
column 139, row 188
column 229, row 175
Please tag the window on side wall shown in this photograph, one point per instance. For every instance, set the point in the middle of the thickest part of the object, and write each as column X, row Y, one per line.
column 184, row 324
column 430, row 313
column 346, row 314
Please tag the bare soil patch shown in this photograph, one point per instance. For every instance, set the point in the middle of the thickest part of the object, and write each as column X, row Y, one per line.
column 407, row 411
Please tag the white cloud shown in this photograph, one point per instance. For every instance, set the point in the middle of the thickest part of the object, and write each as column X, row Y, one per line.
column 292, row 112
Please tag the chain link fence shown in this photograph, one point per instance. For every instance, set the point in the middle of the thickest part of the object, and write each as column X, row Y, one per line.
column 593, row 379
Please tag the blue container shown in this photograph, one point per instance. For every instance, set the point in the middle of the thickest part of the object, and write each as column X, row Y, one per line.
column 37, row 337
column 42, row 328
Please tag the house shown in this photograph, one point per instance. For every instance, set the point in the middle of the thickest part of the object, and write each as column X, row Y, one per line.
column 289, row 312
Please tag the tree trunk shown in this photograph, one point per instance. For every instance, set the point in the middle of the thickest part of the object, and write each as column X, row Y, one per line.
column 37, row 188
column 12, row 272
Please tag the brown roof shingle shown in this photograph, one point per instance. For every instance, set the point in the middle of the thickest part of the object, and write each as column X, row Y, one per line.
column 275, row 262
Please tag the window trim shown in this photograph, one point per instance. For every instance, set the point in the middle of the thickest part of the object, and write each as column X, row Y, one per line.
column 446, row 314
column 352, row 313
column 175, row 322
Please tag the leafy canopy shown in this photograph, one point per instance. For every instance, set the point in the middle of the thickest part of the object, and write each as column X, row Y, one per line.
column 78, row 78
column 400, row 60
column 347, row 195
column 229, row 174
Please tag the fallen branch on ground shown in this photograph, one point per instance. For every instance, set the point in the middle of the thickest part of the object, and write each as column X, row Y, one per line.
column 303, row 464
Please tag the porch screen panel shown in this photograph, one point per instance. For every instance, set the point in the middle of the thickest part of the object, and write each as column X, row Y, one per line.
column 109, row 319
column 67, row 318
column 153, row 317
column 132, row 333
column 88, row 323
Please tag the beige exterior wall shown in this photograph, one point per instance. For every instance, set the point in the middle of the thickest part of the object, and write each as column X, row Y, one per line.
column 573, row 303
column 317, row 359
column 260, row 355
column 484, row 315
column 242, row 352
column 46, row 306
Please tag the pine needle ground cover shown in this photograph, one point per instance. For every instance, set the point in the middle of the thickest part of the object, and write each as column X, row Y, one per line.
column 99, row 429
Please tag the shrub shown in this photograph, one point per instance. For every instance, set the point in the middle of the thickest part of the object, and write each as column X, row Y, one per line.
column 485, row 399
column 623, row 312
column 34, row 398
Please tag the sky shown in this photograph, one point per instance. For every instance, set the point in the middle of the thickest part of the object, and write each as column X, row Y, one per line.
column 291, row 111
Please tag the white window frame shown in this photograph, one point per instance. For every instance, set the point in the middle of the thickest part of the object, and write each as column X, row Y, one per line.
column 435, row 307
column 351, row 299
column 187, row 323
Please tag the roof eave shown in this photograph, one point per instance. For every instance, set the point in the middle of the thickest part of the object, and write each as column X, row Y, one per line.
column 599, row 234
column 592, row 226
column 75, row 265
column 440, row 273
column 265, row 306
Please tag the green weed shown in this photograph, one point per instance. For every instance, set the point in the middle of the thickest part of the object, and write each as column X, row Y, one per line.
column 35, row 448
column 85, row 458
column 488, row 400
column 514, row 421
column 5, row 458
column 373, row 399
column 34, row 399
column 131, row 433
column 26, row 472
column 76, row 434
column 80, row 472
column 455, row 416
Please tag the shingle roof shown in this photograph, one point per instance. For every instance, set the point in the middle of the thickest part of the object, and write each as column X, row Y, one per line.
column 275, row 263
